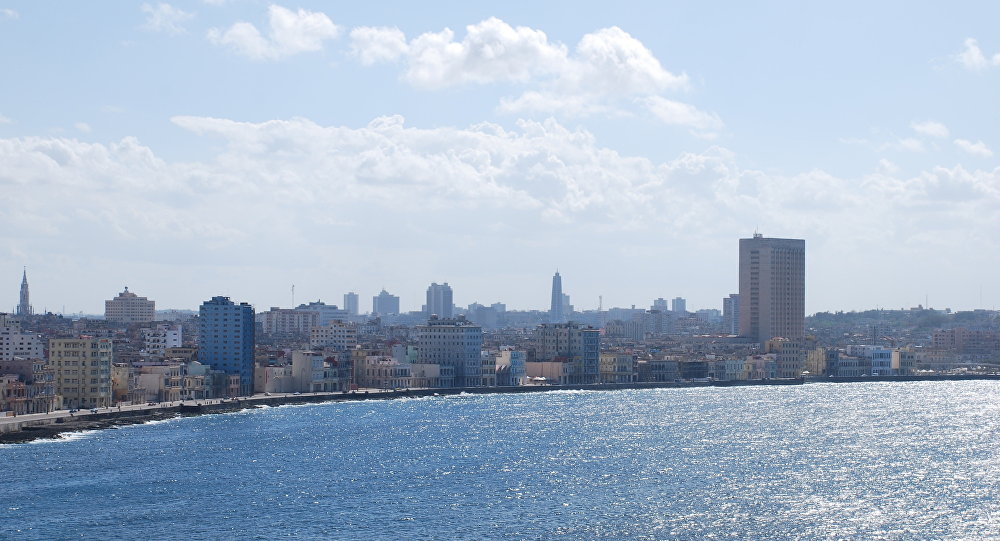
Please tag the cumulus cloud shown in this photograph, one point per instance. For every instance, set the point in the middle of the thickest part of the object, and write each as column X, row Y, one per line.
column 608, row 72
column 375, row 194
column 165, row 18
column 930, row 128
column 372, row 45
column 972, row 57
column 978, row 148
column 289, row 32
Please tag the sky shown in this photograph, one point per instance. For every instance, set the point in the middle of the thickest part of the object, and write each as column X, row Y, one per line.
column 199, row 148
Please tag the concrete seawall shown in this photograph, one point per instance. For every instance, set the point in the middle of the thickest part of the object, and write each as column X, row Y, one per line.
column 32, row 427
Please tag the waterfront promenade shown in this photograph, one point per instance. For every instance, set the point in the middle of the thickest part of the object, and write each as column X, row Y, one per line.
column 24, row 428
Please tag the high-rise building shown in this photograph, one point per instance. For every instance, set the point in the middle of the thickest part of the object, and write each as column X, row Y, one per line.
column 556, row 314
column 454, row 345
column 351, row 303
column 439, row 301
column 24, row 305
column 678, row 305
column 226, row 339
column 661, row 305
column 385, row 304
column 129, row 308
column 731, row 313
column 772, row 288
column 82, row 371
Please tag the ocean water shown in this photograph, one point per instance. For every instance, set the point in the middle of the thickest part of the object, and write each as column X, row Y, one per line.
column 819, row 461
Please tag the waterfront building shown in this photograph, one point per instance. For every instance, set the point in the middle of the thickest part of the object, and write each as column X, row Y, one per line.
column 314, row 372
column 510, row 367
column 439, row 301
column 789, row 356
column 351, row 303
column 24, row 305
column 82, row 370
column 763, row 366
column 877, row 358
column 617, row 367
column 337, row 335
column 772, row 288
column 156, row 341
column 128, row 308
column 226, row 341
column 454, row 345
column 383, row 372
column 556, row 309
column 39, row 383
column 731, row 313
column 678, row 305
column 575, row 345
column 385, row 304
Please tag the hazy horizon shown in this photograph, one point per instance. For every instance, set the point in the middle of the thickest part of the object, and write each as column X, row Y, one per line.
column 199, row 148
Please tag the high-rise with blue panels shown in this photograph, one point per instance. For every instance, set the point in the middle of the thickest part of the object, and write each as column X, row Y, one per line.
column 226, row 339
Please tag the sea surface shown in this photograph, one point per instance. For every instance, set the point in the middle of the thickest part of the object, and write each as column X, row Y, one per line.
column 820, row 461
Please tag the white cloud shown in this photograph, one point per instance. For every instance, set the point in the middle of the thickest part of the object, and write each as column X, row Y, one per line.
column 609, row 72
column 683, row 114
column 972, row 58
column 165, row 18
column 978, row 148
column 5, row 119
column 82, row 126
column 905, row 144
column 374, row 195
column 289, row 32
column 930, row 128
column 7, row 13
column 372, row 45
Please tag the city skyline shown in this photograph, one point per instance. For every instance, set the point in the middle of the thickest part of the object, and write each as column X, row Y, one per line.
column 194, row 148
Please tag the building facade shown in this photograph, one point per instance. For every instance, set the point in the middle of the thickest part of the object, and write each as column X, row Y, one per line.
column 576, row 345
column 385, row 304
column 351, row 303
column 556, row 313
column 226, row 339
column 454, row 345
column 82, row 371
column 772, row 288
column 439, row 301
column 128, row 308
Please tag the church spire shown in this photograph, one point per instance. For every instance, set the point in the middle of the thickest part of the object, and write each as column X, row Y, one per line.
column 24, row 307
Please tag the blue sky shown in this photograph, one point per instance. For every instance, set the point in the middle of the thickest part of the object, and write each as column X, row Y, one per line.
column 190, row 149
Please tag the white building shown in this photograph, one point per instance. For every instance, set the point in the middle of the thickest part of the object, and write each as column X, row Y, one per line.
column 339, row 335
column 314, row 373
column 16, row 343
column 156, row 341
column 455, row 345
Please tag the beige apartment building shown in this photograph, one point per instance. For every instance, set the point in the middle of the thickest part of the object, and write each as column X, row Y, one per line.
column 128, row 308
column 82, row 371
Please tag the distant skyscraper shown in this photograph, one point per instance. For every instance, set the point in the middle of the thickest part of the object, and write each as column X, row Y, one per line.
column 661, row 305
column 385, row 304
column 351, row 303
column 556, row 314
column 226, row 339
column 439, row 300
column 24, row 306
column 772, row 288
column 129, row 308
column 731, row 313
column 678, row 305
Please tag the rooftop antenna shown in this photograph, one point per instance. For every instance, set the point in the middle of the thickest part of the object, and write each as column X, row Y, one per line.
column 600, row 302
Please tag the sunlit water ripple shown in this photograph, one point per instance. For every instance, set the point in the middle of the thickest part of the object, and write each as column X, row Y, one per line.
column 823, row 461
